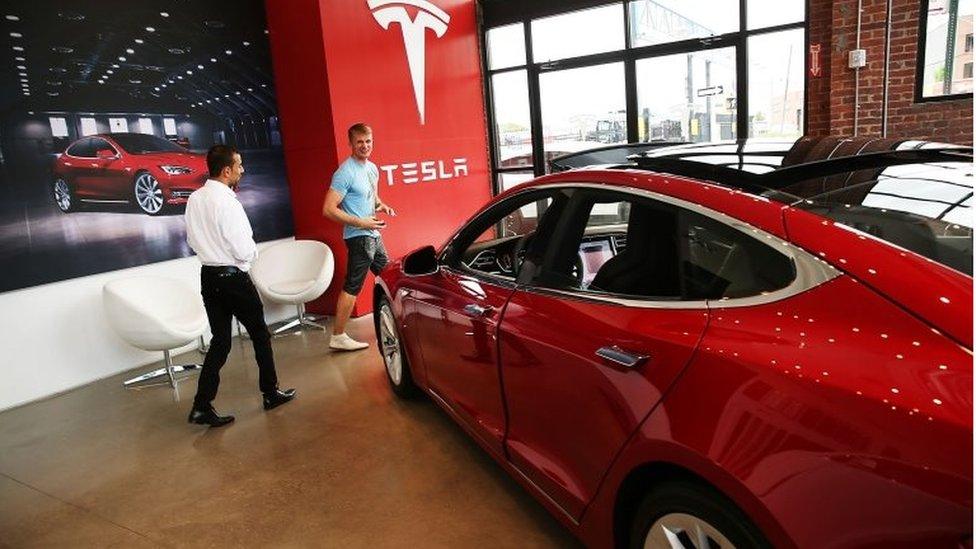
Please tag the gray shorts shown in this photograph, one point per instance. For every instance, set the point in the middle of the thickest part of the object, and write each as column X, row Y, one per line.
column 365, row 253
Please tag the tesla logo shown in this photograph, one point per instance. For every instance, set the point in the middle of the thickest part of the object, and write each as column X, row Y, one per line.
column 429, row 16
column 429, row 170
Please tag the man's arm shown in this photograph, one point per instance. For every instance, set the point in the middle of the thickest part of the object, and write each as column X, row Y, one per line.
column 331, row 210
column 236, row 230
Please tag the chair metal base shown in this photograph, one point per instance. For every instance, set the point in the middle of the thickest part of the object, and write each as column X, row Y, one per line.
column 165, row 375
column 300, row 324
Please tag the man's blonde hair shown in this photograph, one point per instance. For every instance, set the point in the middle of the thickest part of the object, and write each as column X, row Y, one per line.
column 358, row 128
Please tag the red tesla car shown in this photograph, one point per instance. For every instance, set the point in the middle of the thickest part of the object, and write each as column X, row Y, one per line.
column 733, row 345
column 127, row 167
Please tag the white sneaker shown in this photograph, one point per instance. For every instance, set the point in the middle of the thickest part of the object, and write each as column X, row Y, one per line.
column 343, row 342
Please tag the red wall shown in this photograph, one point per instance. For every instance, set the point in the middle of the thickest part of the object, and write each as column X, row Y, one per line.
column 335, row 66
column 830, row 99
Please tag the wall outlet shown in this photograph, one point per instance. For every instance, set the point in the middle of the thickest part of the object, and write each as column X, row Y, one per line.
column 857, row 58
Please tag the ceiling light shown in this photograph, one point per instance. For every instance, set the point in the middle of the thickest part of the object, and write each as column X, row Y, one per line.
column 53, row 93
column 101, row 81
column 163, row 86
column 140, row 41
column 237, row 93
column 114, row 66
column 109, row 72
column 19, row 59
column 163, row 14
column 23, row 80
column 121, row 58
column 226, row 95
column 26, row 93
column 130, row 51
column 156, row 88
column 208, row 100
column 150, row 29
column 21, row 74
column 189, row 72
column 16, row 35
column 132, row 81
column 13, row 18
column 179, row 76
column 200, row 67
column 21, row 67
column 246, row 43
column 228, row 52
column 264, row 85
column 265, row 31
column 18, row 48
column 213, row 59
column 250, row 89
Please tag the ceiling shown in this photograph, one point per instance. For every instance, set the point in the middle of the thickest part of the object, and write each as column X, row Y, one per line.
column 153, row 56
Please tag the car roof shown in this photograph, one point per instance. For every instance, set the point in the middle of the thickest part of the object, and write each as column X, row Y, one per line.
column 772, row 168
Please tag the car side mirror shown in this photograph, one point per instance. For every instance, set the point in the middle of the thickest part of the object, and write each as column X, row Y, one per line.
column 105, row 154
column 422, row 261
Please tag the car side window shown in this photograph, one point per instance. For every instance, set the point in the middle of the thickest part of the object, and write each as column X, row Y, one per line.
column 100, row 145
column 81, row 149
column 509, row 235
column 616, row 244
column 722, row 262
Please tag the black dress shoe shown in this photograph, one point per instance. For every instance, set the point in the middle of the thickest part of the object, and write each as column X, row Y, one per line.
column 209, row 417
column 277, row 398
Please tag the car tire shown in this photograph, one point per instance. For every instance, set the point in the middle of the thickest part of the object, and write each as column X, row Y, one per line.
column 685, row 513
column 148, row 194
column 390, row 345
column 64, row 196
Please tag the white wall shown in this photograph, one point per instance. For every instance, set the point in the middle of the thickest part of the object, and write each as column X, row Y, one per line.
column 55, row 337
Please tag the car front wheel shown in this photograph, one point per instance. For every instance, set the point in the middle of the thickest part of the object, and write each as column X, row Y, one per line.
column 149, row 194
column 690, row 515
column 391, row 348
column 64, row 196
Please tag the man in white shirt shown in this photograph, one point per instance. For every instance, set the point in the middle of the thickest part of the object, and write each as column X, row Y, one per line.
column 218, row 230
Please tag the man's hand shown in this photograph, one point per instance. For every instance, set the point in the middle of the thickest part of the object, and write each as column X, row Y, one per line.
column 386, row 209
column 370, row 223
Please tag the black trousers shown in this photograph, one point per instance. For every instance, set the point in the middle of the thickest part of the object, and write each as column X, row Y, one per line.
column 227, row 293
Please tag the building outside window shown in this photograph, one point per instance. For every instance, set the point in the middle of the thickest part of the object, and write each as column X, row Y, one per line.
column 145, row 126
column 169, row 126
column 118, row 125
column 88, row 126
column 946, row 48
column 59, row 126
column 642, row 70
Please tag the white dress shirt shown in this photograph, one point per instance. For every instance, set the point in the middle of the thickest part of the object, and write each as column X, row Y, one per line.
column 217, row 228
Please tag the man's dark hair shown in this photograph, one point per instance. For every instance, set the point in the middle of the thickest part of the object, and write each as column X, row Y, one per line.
column 220, row 157
column 358, row 127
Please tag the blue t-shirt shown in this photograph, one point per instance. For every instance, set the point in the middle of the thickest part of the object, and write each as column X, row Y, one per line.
column 356, row 182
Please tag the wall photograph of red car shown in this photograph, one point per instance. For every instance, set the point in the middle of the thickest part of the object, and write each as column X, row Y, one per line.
column 141, row 169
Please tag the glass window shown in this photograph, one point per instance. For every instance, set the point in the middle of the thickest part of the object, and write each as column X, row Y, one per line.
column 582, row 108
column 145, row 126
column 98, row 144
column 521, row 236
column 81, row 149
column 947, row 33
column 169, row 126
column 661, row 21
column 506, row 46
column 139, row 144
column 583, row 32
column 59, row 126
column 510, row 101
column 88, row 126
column 687, row 96
column 507, row 180
column 769, row 13
column 776, row 96
column 118, row 125
column 721, row 262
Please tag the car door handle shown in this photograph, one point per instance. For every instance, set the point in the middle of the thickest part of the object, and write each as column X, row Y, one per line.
column 619, row 356
column 476, row 310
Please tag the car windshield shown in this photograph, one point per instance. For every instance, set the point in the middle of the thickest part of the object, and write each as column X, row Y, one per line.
column 138, row 143
column 925, row 208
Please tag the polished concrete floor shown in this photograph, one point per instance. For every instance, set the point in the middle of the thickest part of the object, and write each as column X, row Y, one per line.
column 344, row 465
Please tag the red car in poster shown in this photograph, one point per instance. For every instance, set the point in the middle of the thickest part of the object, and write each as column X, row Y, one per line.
column 127, row 167
column 731, row 345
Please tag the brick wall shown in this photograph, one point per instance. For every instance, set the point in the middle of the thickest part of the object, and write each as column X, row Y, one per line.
column 830, row 99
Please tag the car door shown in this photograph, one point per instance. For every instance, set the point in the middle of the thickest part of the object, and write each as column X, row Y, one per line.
column 456, row 310
column 586, row 357
column 77, row 162
column 107, row 176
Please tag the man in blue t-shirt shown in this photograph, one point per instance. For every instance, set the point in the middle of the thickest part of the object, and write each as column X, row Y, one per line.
column 353, row 200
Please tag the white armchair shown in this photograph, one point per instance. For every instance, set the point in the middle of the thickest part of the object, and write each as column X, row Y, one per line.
column 155, row 314
column 295, row 273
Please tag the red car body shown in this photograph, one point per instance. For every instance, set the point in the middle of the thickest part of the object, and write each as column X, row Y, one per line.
column 840, row 416
column 127, row 167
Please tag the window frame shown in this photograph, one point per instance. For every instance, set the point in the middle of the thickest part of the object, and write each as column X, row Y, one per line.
column 501, row 14
column 809, row 271
column 923, row 21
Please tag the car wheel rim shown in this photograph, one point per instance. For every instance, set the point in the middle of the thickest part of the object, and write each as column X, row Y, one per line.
column 390, row 344
column 62, row 195
column 148, row 193
column 683, row 531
